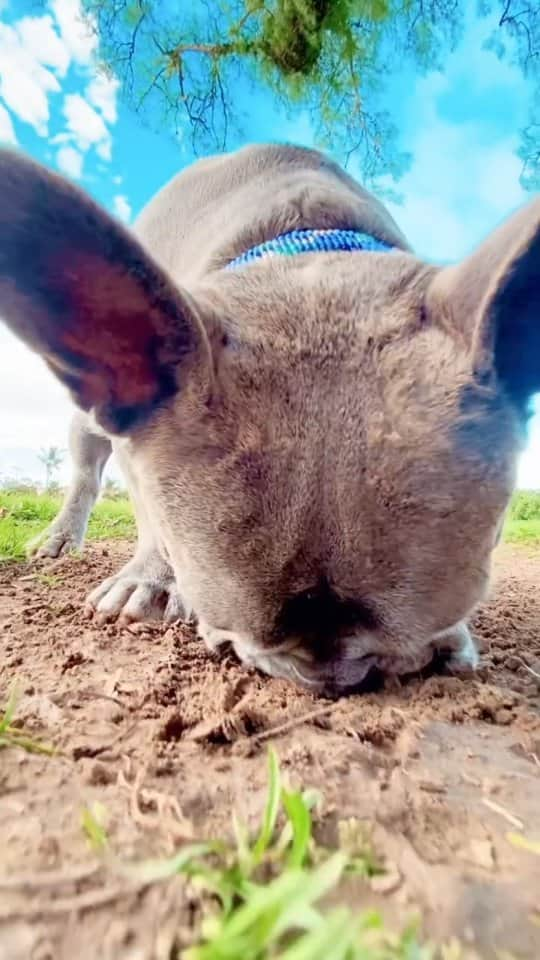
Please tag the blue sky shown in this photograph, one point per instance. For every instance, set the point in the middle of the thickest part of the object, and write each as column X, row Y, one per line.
column 461, row 127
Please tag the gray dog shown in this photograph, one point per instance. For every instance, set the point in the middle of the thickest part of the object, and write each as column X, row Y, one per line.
column 319, row 447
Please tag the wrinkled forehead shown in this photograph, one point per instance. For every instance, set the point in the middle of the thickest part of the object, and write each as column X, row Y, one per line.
column 286, row 297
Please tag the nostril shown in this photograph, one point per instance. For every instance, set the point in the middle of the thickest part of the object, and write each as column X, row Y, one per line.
column 320, row 612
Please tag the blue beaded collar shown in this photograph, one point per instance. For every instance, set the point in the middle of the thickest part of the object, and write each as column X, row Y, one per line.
column 309, row 241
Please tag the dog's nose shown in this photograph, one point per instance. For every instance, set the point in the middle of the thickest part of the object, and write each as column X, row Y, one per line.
column 320, row 614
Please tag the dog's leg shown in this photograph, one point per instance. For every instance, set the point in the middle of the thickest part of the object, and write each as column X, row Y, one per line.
column 90, row 452
column 145, row 588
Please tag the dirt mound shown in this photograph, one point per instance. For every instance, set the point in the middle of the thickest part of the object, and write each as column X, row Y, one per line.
column 168, row 739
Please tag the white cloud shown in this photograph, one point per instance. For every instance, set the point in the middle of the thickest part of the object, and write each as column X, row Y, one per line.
column 25, row 84
column 41, row 41
column 104, row 150
column 101, row 92
column 122, row 208
column 86, row 126
column 464, row 179
column 457, row 190
column 7, row 130
column 37, row 52
column 70, row 161
column 77, row 33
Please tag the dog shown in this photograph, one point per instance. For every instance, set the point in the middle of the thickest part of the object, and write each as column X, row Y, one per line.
column 320, row 447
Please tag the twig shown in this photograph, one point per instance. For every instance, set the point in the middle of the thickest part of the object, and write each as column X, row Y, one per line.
column 84, row 901
column 33, row 881
column 496, row 808
column 295, row 722
column 528, row 668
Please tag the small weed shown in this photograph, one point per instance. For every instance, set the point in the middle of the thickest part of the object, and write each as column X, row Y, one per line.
column 93, row 823
column 48, row 580
column 522, row 843
column 13, row 736
column 263, row 896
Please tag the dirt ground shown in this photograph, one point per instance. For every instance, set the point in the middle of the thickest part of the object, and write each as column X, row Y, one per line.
column 169, row 740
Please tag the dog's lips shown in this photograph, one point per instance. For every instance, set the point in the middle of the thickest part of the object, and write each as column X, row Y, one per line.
column 345, row 676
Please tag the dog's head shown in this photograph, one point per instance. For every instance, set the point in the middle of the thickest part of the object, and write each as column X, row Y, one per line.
column 327, row 444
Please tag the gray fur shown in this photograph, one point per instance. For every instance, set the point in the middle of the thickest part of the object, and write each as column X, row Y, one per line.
column 319, row 449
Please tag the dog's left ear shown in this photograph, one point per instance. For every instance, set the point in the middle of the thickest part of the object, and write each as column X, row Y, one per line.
column 492, row 301
column 81, row 291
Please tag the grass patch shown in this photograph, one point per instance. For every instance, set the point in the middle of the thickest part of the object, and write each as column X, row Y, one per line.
column 12, row 736
column 522, row 531
column 265, row 895
column 523, row 519
column 25, row 515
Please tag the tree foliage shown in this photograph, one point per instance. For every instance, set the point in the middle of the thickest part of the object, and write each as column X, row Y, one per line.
column 195, row 59
column 52, row 459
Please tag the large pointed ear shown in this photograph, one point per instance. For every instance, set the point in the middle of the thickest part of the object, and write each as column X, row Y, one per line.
column 492, row 301
column 81, row 291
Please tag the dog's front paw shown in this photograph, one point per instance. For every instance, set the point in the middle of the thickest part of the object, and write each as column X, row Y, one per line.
column 58, row 543
column 139, row 592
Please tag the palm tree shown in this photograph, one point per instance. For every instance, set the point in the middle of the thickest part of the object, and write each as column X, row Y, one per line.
column 51, row 458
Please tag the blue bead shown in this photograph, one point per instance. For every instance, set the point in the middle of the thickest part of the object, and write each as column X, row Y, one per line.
column 309, row 241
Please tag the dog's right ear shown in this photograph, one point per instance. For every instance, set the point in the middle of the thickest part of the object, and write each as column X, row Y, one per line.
column 491, row 300
column 80, row 290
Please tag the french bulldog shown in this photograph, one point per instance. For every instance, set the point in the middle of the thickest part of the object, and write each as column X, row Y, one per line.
column 319, row 448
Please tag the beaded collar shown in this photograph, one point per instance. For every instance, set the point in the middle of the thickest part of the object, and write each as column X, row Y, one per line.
column 309, row 241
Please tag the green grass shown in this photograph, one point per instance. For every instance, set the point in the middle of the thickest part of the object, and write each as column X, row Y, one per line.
column 13, row 736
column 523, row 520
column 264, row 896
column 25, row 515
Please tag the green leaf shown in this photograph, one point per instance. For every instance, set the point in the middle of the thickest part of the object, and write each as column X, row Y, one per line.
column 14, row 738
column 93, row 825
column 332, row 938
column 185, row 861
column 300, row 820
column 284, row 905
column 9, row 712
column 242, row 843
column 271, row 809
column 516, row 839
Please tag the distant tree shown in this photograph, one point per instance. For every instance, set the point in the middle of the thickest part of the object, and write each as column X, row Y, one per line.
column 517, row 39
column 52, row 459
column 326, row 57
column 112, row 490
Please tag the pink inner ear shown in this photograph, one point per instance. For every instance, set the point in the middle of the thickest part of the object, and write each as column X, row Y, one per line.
column 111, row 331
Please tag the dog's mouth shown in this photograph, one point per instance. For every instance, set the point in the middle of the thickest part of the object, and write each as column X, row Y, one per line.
column 348, row 672
column 333, row 678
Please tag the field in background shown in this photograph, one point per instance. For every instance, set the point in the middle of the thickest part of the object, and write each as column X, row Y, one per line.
column 26, row 512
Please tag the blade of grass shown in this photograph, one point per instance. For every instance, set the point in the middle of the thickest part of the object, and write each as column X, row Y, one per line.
column 271, row 809
column 532, row 846
column 252, row 928
column 9, row 712
column 93, row 825
column 300, row 821
column 334, row 937
column 185, row 861
column 14, row 738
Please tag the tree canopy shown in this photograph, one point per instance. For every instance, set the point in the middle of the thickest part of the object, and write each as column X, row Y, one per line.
column 190, row 60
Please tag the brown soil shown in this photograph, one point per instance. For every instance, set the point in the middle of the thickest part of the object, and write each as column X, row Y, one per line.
column 169, row 740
